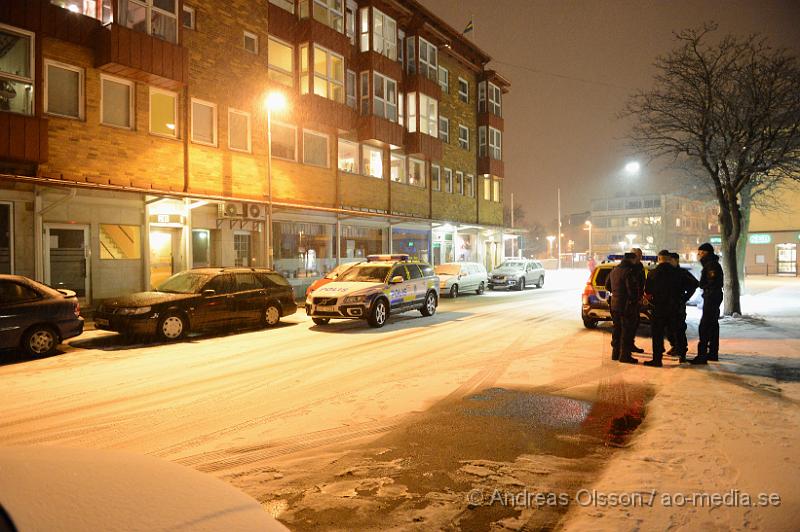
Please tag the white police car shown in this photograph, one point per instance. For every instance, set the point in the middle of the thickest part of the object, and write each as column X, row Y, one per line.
column 374, row 289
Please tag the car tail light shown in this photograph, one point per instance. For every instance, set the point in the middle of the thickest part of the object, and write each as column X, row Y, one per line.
column 588, row 291
column 77, row 309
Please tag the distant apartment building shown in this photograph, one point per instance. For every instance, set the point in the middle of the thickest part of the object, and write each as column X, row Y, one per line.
column 651, row 222
column 133, row 139
column 773, row 238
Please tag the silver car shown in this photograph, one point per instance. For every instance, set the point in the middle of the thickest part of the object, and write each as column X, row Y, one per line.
column 461, row 277
column 517, row 274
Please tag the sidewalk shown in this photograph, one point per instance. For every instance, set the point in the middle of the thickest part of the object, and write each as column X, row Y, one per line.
column 732, row 429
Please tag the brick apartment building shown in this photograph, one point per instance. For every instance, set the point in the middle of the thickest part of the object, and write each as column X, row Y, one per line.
column 133, row 138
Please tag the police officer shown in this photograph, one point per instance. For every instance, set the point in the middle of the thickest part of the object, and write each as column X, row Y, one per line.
column 626, row 293
column 688, row 285
column 711, row 281
column 663, row 292
column 639, row 268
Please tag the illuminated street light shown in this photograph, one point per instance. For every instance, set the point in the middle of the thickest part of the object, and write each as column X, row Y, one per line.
column 631, row 237
column 632, row 168
column 550, row 240
column 588, row 227
column 273, row 102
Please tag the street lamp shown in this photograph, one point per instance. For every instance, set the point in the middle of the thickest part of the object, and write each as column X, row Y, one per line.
column 274, row 101
column 631, row 237
column 632, row 168
column 588, row 227
column 550, row 240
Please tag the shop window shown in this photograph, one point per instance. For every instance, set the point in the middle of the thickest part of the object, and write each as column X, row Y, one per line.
column 163, row 112
column 280, row 61
column 357, row 242
column 348, row 156
column 238, row 130
column 204, row 122
column 372, row 161
column 116, row 97
column 118, row 242
column 284, row 141
column 414, row 242
column 315, row 148
column 304, row 250
column 64, row 90
column 16, row 71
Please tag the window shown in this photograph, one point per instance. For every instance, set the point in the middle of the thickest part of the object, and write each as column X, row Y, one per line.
column 221, row 284
column 315, row 148
column 204, row 122
column 428, row 60
column 116, row 102
column 247, row 281
column 280, row 58
column 16, row 71
column 288, row 5
column 416, row 173
column 187, row 17
column 365, row 93
column 163, row 112
column 14, row 293
column 118, row 242
column 469, row 185
column 482, row 96
column 487, row 188
column 284, row 141
column 201, row 244
column 444, row 80
column 448, row 180
column 384, row 34
column 436, row 177
column 363, row 30
column 401, row 115
column 495, row 99
column 330, row 13
column 482, row 146
column 411, row 67
column 428, row 115
column 348, row 156
column 6, row 237
column 444, row 129
column 495, row 144
column 384, row 97
column 251, row 42
column 64, row 90
column 241, row 249
column 459, row 183
column 372, row 161
column 398, row 168
column 496, row 192
column 239, row 130
column 677, row 222
column 328, row 74
column 350, row 10
column 412, row 111
column 158, row 18
column 463, row 90
column 350, row 89
column 463, row 137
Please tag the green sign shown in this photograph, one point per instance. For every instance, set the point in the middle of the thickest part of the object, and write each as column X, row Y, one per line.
column 760, row 238
column 715, row 240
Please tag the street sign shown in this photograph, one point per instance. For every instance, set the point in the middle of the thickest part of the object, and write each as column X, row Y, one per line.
column 715, row 240
column 760, row 238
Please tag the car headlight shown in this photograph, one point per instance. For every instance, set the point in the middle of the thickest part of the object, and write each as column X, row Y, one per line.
column 134, row 311
column 308, row 300
column 355, row 299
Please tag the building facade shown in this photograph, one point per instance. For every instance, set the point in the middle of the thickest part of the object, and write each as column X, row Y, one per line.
column 133, row 139
column 773, row 238
column 651, row 222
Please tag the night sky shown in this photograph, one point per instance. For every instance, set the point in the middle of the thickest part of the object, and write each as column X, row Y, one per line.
column 572, row 65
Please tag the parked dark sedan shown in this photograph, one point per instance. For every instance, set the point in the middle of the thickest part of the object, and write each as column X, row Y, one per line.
column 35, row 317
column 200, row 299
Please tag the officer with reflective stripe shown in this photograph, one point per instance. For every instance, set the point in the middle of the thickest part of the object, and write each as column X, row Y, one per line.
column 711, row 281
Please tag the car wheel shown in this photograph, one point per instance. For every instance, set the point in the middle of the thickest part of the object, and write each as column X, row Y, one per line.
column 480, row 289
column 429, row 308
column 491, row 287
column 321, row 321
column 540, row 282
column 40, row 341
column 379, row 314
column 172, row 326
column 589, row 323
column 454, row 291
column 521, row 284
column 272, row 315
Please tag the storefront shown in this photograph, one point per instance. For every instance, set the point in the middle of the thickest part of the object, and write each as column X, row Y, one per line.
column 453, row 243
column 772, row 253
column 414, row 240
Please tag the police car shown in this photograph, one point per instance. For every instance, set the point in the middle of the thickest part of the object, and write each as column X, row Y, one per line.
column 373, row 290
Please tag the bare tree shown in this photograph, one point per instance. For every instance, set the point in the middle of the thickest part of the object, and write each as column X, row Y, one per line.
column 729, row 112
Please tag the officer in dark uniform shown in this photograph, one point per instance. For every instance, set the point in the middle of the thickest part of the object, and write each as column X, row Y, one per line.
column 663, row 293
column 626, row 294
column 639, row 268
column 688, row 286
column 711, row 281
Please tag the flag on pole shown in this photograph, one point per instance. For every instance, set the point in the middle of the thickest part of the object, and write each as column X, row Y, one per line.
column 469, row 27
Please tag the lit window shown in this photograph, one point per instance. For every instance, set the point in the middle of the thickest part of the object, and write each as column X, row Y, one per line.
column 416, row 172
column 284, row 141
column 444, row 79
column 116, row 96
column 444, row 129
column 496, row 194
column 384, row 34
column 348, row 156
column 239, row 130
column 328, row 74
column 463, row 137
column 436, row 177
column 158, row 18
column 495, row 144
column 163, row 113
column 463, row 90
column 448, row 180
column 315, row 148
column 16, row 71
column 495, row 99
column 64, row 90
column 459, row 188
column 330, row 13
column 280, row 58
column 428, row 115
column 364, row 93
column 398, row 168
column 384, row 97
column 428, row 60
column 350, row 11
column 412, row 111
column 487, row 188
column 204, row 122
column 371, row 161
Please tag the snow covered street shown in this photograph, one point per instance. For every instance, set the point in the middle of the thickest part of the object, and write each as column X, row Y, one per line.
column 433, row 423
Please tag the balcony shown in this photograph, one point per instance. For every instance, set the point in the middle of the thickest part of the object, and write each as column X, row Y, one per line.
column 425, row 145
column 379, row 63
column 373, row 127
column 136, row 55
column 422, row 84
column 486, row 118
column 312, row 108
column 23, row 139
column 313, row 31
column 487, row 165
column 44, row 18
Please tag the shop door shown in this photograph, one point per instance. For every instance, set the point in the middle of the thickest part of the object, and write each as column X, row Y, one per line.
column 162, row 255
column 787, row 258
column 67, row 257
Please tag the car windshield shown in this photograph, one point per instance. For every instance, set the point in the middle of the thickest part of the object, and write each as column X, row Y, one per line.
column 513, row 264
column 183, row 283
column 448, row 269
column 365, row 274
column 337, row 271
